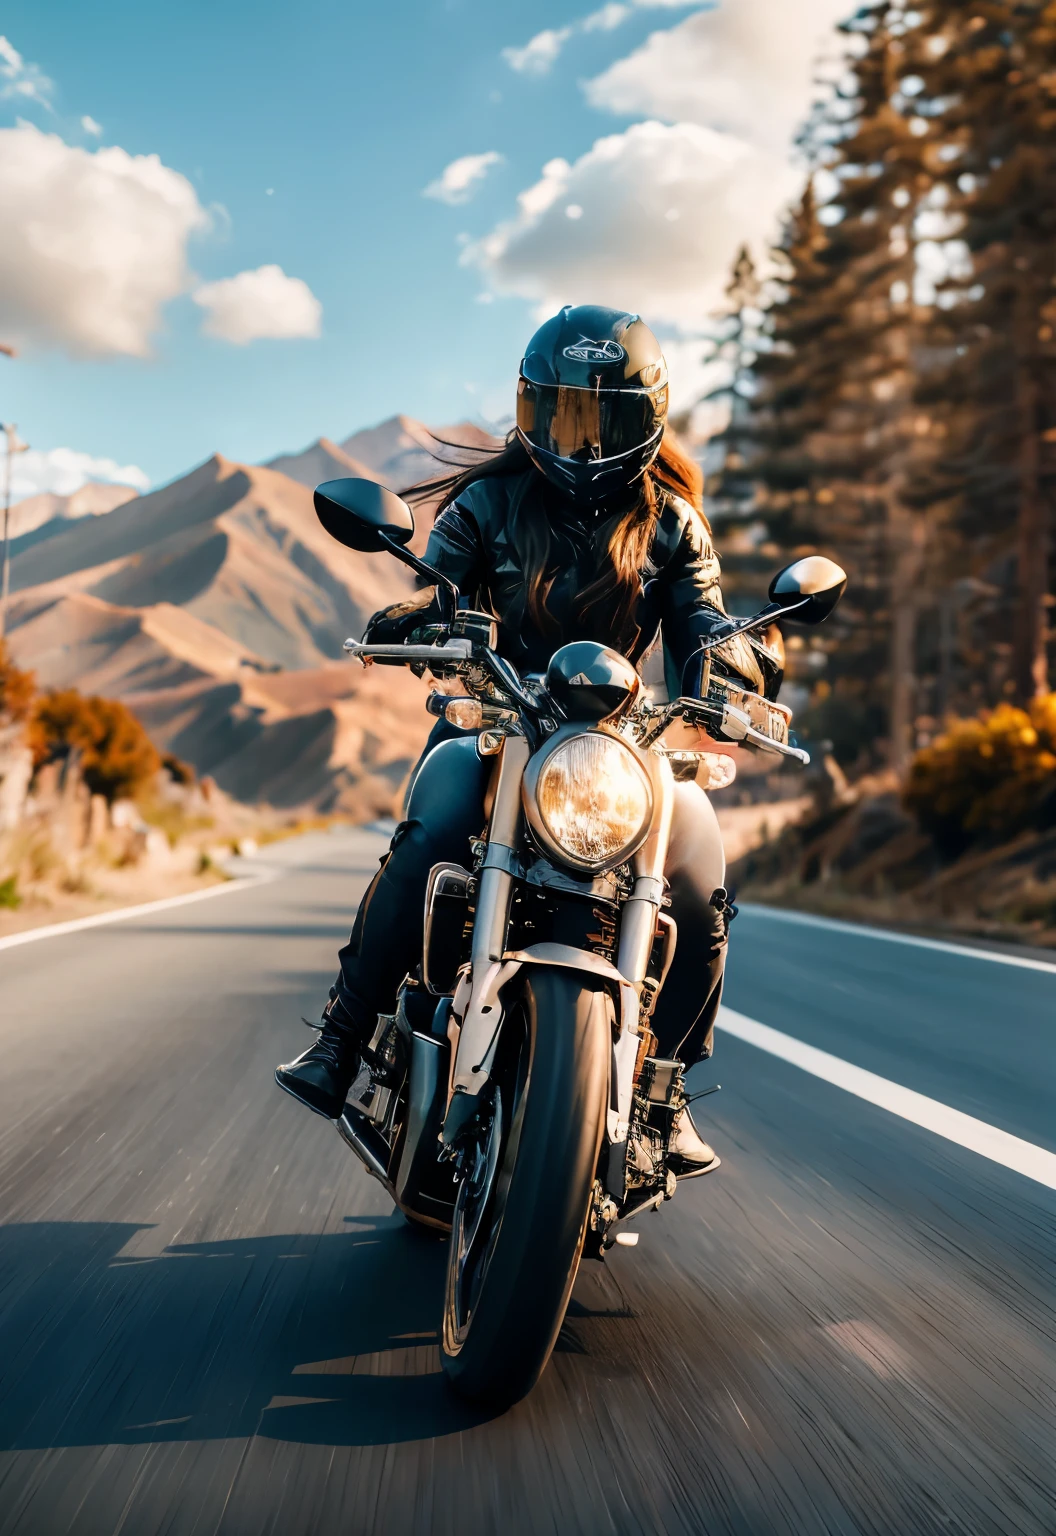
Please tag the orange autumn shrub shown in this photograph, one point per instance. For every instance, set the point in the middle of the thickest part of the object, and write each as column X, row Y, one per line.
column 990, row 777
column 117, row 757
column 16, row 688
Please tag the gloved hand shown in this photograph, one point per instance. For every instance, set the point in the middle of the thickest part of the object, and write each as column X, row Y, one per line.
column 395, row 624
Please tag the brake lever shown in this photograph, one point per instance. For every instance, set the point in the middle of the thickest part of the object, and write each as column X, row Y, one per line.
column 768, row 744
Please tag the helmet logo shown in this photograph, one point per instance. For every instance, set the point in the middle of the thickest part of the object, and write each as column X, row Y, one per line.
column 587, row 351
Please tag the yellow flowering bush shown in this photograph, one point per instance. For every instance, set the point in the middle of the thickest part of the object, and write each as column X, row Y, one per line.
column 993, row 776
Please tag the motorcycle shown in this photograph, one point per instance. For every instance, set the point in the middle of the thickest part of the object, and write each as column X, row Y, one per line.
column 515, row 1100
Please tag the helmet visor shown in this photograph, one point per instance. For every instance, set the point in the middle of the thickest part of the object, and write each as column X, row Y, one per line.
column 589, row 424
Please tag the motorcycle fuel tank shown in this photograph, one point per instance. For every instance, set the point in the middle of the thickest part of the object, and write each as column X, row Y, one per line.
column 591, row 681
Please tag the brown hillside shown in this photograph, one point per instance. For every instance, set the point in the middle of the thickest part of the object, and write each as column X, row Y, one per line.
column 216, row 607
column 402, row 452
column 238, row 547
column 42, row 517
column 323, row 460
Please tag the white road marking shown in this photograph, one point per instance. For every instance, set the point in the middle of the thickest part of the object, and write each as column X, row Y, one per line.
column 121, row 914
column 975, row 1135
column 811, row 920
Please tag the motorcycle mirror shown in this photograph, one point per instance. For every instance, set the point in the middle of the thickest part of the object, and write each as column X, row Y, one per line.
column 809, row 589
column 363, row 515
column 369, row 518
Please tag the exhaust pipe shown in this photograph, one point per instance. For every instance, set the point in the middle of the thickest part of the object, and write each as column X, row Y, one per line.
column 358, row 1131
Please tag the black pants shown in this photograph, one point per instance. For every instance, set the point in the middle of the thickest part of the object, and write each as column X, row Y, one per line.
column 444, row 810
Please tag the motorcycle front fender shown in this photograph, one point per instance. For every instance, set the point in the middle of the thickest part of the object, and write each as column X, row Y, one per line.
column 475, row 1046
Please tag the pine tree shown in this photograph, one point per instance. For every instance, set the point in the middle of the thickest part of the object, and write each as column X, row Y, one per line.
column 863, row 455
column 912, row 433
column 991, row 70
column 831, row 413
column 734, row 350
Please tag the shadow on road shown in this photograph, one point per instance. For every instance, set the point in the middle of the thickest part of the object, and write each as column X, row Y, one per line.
column 224, row 931
column 312, row 1339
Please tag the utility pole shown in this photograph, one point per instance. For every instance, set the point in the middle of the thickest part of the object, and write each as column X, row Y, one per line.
column 7, row 351
column 12, row 445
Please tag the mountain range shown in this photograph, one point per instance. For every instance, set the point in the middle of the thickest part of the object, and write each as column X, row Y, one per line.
column 216, row 607
column 401, row 452
column 48, row 513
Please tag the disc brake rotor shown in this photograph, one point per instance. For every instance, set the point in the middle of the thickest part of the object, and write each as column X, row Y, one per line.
column 471, row 1208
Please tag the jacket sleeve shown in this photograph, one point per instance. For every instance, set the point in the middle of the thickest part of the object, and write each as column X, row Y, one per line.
column 692, row 609
column 454, row 549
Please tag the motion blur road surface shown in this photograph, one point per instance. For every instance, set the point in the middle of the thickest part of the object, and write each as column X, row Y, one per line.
column 212, row 1321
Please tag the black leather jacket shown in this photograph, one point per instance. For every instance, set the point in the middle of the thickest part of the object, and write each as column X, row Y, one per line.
column 470, row 543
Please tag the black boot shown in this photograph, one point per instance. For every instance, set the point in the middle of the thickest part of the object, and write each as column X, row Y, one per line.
column 323, row 1074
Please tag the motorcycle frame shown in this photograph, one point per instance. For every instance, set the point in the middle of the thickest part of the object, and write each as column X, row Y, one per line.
column 477, row 1010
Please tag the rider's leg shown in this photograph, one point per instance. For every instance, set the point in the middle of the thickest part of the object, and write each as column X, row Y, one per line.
column 696, row 868
column 684, row 1020
column 444, row 811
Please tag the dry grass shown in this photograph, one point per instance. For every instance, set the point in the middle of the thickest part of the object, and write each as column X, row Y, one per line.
column 869, row 863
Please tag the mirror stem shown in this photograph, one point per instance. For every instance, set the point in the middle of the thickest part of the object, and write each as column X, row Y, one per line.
column 766, row 615
column 446, row 589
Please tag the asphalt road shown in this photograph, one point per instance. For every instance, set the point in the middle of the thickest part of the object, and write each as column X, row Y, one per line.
column 211, row 1322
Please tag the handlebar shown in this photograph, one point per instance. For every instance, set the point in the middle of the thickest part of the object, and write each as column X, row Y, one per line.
column 460, row 650
column 738, row 727
column 454, row 650
column 733, row 722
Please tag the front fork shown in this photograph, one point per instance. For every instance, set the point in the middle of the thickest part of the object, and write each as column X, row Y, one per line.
column 479, row 1008
column 495, row 883
column 480, row 1012
column 640, row 912
column 638, row 928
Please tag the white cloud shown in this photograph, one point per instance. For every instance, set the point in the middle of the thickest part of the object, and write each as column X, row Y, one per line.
column 607, row 18
column 652, row 218
column 537, row 55
column 665, row 208
column 93, row 244
column 747, row 67
column 22, row 81
column 253, row 305
column 65, row 470
column 90, row 125
column 458, row 181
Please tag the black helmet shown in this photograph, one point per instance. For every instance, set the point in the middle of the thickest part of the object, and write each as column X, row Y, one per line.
column 592, row 401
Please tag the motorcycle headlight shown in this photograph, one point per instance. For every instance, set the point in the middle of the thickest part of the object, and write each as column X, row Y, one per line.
column 590, row 800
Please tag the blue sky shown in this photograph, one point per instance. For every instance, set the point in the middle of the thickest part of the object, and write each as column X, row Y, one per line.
column 348, row 113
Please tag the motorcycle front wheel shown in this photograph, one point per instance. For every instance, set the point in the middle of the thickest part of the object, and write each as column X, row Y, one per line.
column 522, row 1206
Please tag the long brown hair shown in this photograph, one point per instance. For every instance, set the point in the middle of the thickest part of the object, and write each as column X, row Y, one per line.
column 605, row 607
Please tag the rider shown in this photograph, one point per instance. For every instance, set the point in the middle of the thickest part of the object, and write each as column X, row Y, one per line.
column 587, row 525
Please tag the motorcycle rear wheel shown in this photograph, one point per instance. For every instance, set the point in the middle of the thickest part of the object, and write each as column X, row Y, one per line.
column 522, row 1207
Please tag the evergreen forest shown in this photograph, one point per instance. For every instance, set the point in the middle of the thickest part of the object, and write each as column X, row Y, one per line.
column 889, row 378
